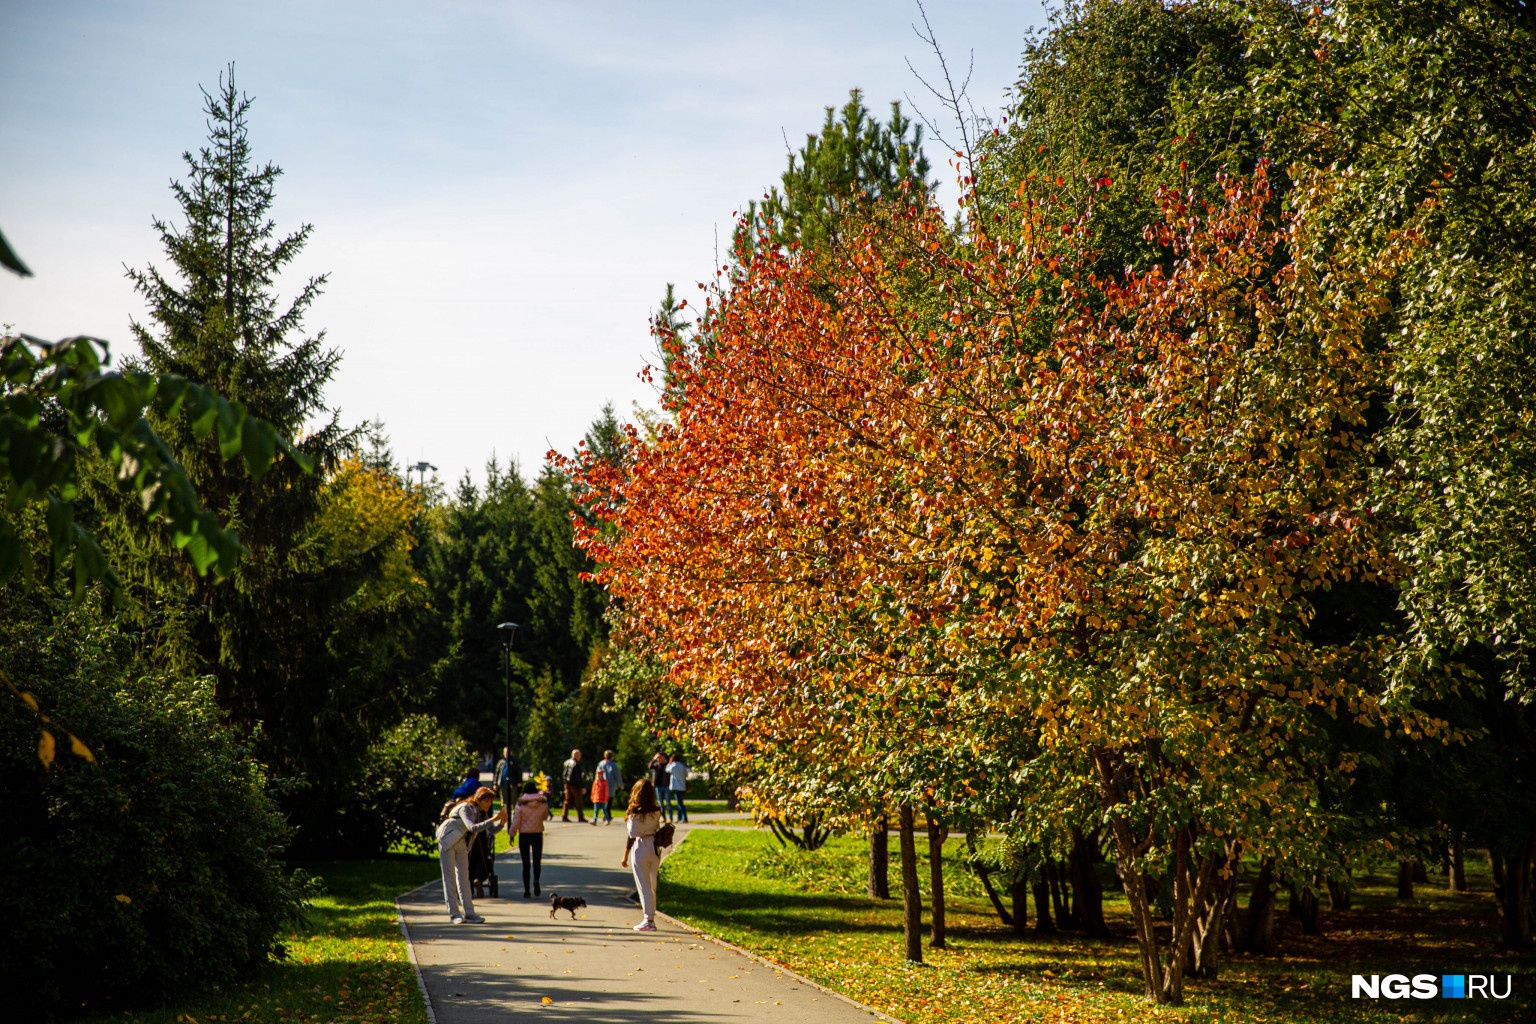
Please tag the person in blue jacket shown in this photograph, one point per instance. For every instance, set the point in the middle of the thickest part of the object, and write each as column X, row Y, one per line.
column 469, row 785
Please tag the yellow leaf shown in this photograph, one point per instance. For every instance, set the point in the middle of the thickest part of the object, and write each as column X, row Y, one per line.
column 546, row 1000
column 45, row 747
column 122, row 899
column 80, row 749
column 30, row 700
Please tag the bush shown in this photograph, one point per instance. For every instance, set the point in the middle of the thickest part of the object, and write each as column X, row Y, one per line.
column 153, row 870
column 390, row 797
column 409, row 772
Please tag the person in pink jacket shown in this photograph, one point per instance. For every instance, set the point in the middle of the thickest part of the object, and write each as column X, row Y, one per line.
column 528, row 824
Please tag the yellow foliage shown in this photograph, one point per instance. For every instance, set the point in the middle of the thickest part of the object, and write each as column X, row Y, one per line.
column 367, row 509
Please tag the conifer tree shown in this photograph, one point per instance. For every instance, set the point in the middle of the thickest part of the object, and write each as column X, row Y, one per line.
column 215, row 317
column 854, row 157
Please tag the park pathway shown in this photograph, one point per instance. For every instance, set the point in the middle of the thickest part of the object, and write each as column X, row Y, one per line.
column 595, row 968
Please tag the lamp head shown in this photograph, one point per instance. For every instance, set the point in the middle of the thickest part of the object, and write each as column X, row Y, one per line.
column 508, row 631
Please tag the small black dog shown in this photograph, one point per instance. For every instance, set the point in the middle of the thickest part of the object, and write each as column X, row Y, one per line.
column 558, row 902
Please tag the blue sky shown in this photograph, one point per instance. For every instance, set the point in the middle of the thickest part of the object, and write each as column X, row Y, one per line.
column 499, row 191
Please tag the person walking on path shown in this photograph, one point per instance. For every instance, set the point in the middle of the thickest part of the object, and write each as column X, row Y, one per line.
column 508, row 777
column 679, row 776
column 661, row 782
column 528, row 825
column 642, row 820
column 466, row 820
column 610, row 769
column 600, row 797
column 575, row 778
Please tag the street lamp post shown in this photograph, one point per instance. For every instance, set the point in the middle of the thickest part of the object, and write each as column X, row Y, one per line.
column 422, row 467
column 508, row 630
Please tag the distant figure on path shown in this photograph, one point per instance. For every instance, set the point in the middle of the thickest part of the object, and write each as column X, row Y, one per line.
column 471, row 783
column 641, row 820
column 507, row 778
column 528, row 824
column 575, row 778
column 679, row 774
column 661, row 782
column 464, row 822
column 600, row 797
column 610, row 769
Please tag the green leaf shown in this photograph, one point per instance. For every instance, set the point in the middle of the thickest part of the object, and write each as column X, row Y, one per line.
column 231, row 419
column 60, row 517
column 259, row 444
column 10, row 260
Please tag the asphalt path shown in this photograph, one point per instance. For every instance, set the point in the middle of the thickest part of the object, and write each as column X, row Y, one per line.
column 522, row 965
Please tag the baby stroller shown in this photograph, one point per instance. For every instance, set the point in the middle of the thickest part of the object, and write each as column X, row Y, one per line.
column 482, row 866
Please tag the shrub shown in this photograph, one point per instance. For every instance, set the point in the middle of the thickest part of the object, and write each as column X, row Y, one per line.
column 388, row 798
column 410, row 771
column 151, row 871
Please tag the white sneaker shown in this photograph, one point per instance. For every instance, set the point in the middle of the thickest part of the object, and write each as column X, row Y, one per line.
column 645, row 926
column 455, row 920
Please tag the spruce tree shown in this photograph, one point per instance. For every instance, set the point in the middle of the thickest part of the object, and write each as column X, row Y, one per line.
column 267, row 634
column 855, row 157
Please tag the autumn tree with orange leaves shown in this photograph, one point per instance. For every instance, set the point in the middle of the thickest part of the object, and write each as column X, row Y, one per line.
column 951, row 517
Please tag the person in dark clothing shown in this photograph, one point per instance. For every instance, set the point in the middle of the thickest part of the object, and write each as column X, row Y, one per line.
column 661, row 782
column 507, row 778
column 575, row 778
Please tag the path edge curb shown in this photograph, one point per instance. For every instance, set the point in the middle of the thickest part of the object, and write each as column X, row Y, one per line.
column 410, row 950
column 877, row 1014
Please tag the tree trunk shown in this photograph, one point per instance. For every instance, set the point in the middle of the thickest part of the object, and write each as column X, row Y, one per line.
column 1019, row 893
column 985, row 874
column 1058, row 891
column 1043, row 923
column 1259, row 924
column 1194, row 887
column 1341, row 894
column 1458, row 879
column 1089, row 894
column 936, row 836
column 1305, row 907
column 1405, row 879
column 880, row 861
column 1512, row 894
column 911, row 898
column 997, row 903
column 1146, row 934
column 1211, row 923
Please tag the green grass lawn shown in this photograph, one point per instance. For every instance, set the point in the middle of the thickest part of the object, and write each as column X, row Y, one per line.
column 810, row 915
column 346, row 965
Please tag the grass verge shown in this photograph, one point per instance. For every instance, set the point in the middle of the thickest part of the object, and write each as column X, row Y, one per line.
column 811, row 916
column 346, row 965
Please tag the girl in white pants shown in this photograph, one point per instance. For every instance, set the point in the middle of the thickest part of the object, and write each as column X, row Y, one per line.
column 642, row 820
column 464, row 822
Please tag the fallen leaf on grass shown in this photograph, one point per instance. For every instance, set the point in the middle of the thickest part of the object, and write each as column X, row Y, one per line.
column 546, row 1000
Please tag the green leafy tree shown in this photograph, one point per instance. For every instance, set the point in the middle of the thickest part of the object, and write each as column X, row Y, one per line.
column 1429, row 106
column 59, row 405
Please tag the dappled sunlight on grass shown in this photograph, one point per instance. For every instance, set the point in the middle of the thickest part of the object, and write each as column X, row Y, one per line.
column 347, row 964
column 725, row 883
